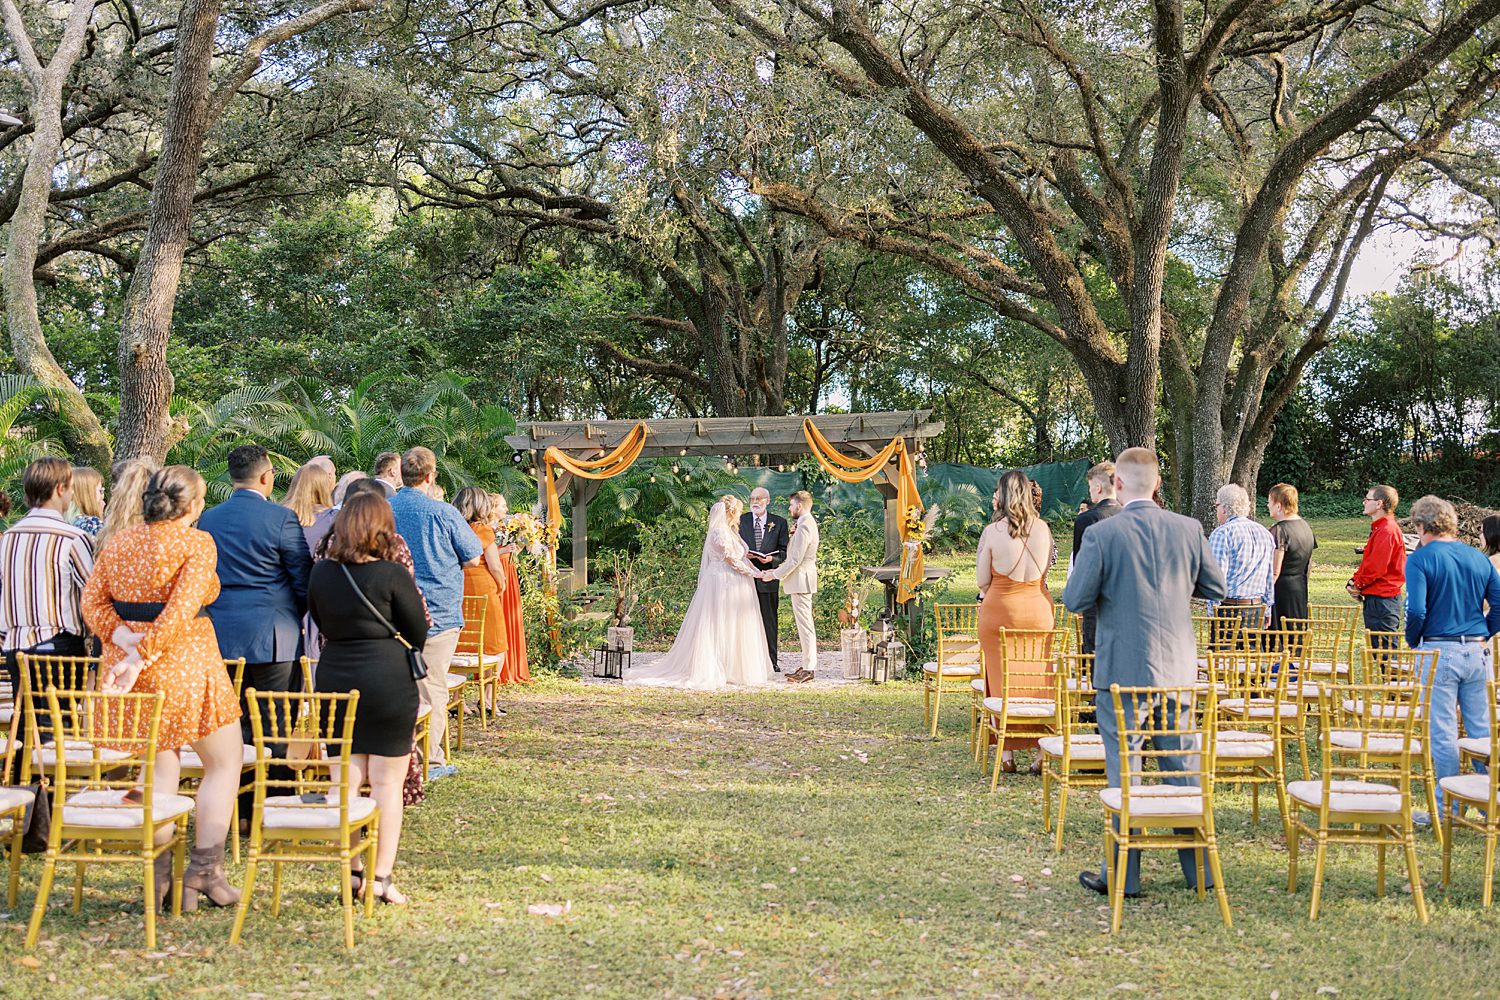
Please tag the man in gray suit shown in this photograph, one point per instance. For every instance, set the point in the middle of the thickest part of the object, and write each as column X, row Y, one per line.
column 1138, row 571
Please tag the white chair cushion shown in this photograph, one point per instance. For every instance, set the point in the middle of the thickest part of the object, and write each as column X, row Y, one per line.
column 7, row 712
column 959, row 638
column 187, row 757
column 15, row 798
column 287, row 812
column 1233, row 743
column 1355, row 739
column 1357, row 706
column 977, row 685
column 1474, row 787
column 1260, row 708
column 473, row 660
column 77, row 752
column 1479, row 745
column 1348, row 796
column 951, row 669
column 1156, row 800
column 1084, row 747
column 1022, row 708
column 456, row 681
column 424, row 712
column 103, row 810
column 1325, row 669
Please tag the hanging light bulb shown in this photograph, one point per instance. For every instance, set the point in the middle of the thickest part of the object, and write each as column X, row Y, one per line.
column 676, row 468
column 682, row 451
column 653, row 477
column 688, row 478
column 780, row 467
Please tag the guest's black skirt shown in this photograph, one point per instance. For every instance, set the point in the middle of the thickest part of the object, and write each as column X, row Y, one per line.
column 379, row 671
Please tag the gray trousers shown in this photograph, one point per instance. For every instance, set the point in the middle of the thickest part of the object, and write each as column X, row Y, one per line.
column 1163, row 714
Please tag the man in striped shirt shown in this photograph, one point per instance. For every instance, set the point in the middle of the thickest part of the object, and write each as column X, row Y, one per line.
column 44, row 563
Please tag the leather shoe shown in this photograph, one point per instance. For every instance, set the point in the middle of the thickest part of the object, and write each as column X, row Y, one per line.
column 1090, row 880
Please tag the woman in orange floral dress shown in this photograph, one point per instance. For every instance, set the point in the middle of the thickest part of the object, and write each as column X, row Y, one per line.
column 146, row 597
column 515, row 670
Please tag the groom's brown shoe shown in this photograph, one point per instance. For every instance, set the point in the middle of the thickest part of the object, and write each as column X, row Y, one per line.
column 802, row 676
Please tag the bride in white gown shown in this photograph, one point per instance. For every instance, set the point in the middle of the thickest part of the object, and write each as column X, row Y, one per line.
column 722, row 641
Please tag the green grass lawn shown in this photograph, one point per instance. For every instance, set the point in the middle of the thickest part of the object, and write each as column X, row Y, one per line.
column 807, row 843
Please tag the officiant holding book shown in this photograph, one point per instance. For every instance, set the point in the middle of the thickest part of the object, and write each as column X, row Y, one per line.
column 766, row 534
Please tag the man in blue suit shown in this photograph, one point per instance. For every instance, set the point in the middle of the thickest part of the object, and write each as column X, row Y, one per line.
column 263, row 570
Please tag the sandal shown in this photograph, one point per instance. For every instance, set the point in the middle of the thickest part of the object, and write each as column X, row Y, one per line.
column 381, row 887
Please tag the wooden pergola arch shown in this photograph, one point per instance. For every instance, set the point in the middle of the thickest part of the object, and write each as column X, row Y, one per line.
column 861, row 433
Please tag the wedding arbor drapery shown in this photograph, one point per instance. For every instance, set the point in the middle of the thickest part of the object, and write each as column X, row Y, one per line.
column 867, row 433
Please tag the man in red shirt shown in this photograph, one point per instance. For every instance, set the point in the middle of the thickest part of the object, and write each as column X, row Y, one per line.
column 1382, row 571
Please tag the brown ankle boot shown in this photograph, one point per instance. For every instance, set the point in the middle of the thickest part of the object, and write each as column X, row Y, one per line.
column 205, row 877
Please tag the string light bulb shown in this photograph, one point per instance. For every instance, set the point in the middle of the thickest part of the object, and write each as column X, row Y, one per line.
column 676, row 468
column 687, row 478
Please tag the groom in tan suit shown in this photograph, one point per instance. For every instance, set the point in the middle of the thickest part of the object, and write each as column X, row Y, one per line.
column 799, row 578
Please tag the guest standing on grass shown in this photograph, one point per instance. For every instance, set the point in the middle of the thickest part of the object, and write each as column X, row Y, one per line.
column 44, row 564
column 1102, row 504
column 442, row 544
column 1295, row 543
column 1243, row 548
column 128, row 479
column 1140, row 570
column 516, row 669
column 88, row 499
column 147, row 598
column 263, row 569
column 1448, row 586
column 1382, row 568
column 1490, row 529
column 485, row 579
column 309, row 495
column 387, row 472
column 362, row 600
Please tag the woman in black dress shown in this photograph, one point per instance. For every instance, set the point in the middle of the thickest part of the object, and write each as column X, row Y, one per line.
column 1293, row 556
column 360, row 653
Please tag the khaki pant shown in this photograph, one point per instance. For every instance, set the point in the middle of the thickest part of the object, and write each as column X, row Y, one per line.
column 802, row 614
column 438, row 654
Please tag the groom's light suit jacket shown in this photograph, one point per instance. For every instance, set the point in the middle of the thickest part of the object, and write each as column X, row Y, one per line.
column 799, row 574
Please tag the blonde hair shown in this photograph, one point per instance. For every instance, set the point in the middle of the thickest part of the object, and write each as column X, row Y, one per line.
column 126, row 497
column 733, row 508
column 1013, row 503
column 804, row 498
column 86, row 486
column 1284, row 494
column 310, row 493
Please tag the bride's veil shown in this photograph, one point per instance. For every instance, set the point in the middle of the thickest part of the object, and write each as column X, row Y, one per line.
column 715, row 523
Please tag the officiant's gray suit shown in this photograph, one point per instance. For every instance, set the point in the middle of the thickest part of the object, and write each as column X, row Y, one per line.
column 1139, row 570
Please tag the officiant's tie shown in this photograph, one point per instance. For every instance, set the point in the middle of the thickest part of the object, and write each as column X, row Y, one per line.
column 760, row 534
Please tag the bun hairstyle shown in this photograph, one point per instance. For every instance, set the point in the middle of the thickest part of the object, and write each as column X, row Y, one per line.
column 170, row 493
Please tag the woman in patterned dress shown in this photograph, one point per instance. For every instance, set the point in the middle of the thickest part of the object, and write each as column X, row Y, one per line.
column 146, row 598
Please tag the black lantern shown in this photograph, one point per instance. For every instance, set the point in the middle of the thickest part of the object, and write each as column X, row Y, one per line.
column 611, row 663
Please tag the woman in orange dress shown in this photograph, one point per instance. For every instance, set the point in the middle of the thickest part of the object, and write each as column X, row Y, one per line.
column 486, row 578
column 515, row 670
column 146, row 597
column 1011, row 571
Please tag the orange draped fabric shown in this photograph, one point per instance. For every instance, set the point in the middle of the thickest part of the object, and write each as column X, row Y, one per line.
column 849, row 469
column 607, row 467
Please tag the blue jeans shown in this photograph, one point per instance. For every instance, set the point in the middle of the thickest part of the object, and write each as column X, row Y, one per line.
column 1459, row 684
column 1164, row 715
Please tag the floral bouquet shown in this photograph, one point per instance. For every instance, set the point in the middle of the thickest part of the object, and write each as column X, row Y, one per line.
column 916, row 527
column 527, row 531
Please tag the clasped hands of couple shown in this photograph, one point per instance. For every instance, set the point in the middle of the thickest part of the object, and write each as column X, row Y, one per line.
column 120, row 678
column 762, row 574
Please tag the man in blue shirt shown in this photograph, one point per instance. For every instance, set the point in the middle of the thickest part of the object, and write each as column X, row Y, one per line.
column 1245, row 552
column 263, row 570
column 441, row 546
column 1447, row 585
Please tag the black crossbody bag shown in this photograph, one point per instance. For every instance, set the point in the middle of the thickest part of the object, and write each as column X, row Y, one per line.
column 413, row 654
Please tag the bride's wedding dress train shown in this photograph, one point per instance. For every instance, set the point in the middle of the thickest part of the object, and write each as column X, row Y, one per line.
column 722, row 642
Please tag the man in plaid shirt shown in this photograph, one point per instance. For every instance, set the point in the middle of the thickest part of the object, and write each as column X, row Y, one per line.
column 1243, row 548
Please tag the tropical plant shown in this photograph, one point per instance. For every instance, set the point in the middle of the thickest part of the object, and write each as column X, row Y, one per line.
column 26, row 429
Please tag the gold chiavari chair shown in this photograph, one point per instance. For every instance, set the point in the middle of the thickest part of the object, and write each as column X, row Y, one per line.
column 1320, row 651
column 15, row 802
column 959, row 661
column 1347, row 618
column 1074, row 758
column 1388, row 665
column 1163, row 808
column 1071, row 625
column 191, row 764
column 1257, row 683
column 93, row 820
column 1361, row 798
column 1250, row 731
column 1478, row 789
column 318, row 825
column 38, row 673
column 472, row 662
column 1232, row 620
column 1020, row 711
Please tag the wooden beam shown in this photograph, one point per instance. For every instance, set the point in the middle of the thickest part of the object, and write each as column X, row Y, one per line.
column 728, row 435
